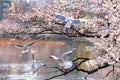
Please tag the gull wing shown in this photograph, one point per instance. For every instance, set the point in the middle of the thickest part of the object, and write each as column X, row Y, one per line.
column 64, row 56
column 38, row 67
column 41, row 65
column 79, row 21
column 33, row 65
column 31, row 43
column 18, row 46
column 68, row 23
column 60, row 16
column 54, row 57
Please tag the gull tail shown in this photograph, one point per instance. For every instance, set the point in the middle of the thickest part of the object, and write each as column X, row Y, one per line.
column 54, row 57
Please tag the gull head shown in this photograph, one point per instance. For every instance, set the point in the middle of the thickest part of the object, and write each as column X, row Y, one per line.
column 24, row 51
column 71, row 18
column 24, row 45
column 74, row 49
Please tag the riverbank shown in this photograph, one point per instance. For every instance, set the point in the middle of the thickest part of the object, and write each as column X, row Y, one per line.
column 7, row 42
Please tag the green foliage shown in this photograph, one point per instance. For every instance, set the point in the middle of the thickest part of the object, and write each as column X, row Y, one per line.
column 83, row 15
column 84, row 54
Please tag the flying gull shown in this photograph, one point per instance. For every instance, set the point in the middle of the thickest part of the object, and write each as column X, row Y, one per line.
column 24, row 47
column 69, row 21
column 36, row 66
column 63, row 61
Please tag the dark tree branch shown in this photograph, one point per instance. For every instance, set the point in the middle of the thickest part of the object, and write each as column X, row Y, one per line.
column 65, row 73
column 51, row 31
column 79, row 69
column 108, row 73
column 80, row 58
column 56, row 76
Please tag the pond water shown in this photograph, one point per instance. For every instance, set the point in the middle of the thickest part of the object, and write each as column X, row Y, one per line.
column 14, row 66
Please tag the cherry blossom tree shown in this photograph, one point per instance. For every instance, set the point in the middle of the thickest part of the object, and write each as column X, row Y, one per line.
column 103, row 29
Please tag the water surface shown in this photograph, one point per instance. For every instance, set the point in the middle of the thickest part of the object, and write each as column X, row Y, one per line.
column 14, row 66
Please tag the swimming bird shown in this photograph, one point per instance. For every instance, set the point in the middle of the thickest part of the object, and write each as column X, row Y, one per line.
column 63, row 61
column 69, row 21
column 24, row 47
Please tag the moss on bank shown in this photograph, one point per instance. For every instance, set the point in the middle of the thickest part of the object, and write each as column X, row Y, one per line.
column 82, row 52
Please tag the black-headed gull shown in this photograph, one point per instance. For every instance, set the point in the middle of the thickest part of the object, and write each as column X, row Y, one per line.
column 63, row 61
column 36, row 66
column 24, row 47
column 69, row 21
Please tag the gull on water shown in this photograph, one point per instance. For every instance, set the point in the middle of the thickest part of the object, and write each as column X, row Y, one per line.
column 69, row 21
column 24, row 47
column 32, row 68
column 63, row 61
column 36, row 66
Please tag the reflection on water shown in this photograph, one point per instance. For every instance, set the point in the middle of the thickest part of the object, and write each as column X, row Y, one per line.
column 17, row 72
column 14, row 66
